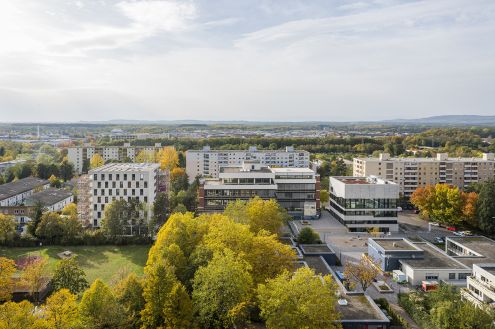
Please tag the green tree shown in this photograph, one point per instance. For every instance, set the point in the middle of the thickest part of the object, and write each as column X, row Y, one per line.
column 178, row 308
column 7, row 270
column 51, row 227
column 7, row 229
column 308, row 236
column 68, row 275
column 157, row 287
column 299, row 300
column 486, row 207
column 129, row 294
column 66, row 170
column 220, row 287
column 114, row 218
column 99, row 308
column 259, row 214
column 324, row 197
column 37, row 213
column 61, row 310
column 160, row 208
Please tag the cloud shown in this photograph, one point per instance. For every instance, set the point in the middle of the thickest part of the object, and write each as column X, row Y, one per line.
column 154, row 15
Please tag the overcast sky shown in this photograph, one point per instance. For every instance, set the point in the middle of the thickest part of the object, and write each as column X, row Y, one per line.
column 66, row 60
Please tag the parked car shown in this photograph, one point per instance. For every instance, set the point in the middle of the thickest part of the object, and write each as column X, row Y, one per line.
column 467, row 233
column 451, row 228
column 439, row 239
column 456, row 233
column 434, row 224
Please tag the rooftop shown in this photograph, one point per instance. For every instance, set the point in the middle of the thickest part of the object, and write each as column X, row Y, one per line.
column 238, row 169
column 317, row 264
column 292, row 170
column 433, row 258
column 125, row 167
column 370, row 180
column 315, row 248
column 480, row 245
column 48, row 197
column 20, row 186
column 359, row 308
column 395, row 244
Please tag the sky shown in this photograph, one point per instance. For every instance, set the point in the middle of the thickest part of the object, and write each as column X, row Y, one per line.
column 259, row 60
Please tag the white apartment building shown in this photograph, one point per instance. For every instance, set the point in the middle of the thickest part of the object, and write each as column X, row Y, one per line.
column 122, row 181
column 207, row 162
column 15, row 193
column 411, row 173
column 481, row 286
column 77, row 155
column 363, row 203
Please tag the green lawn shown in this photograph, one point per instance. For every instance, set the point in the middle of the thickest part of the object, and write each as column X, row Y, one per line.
column 97, row 261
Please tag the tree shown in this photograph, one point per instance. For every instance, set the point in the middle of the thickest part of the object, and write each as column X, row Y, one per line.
column 54, row 181
column 178, row 180
column 220, row 287
column 363, row 272
column 178, row 308
column 68, row 275
column 259, row 214
column 308, row 236
column 19, row 315
column 37, row 213
column 145, row 156
column 168, row 158
column 34, row 276
column 160, row 208
column 72, row 229
column 70, row 210
column 324, row 196
column 7, row 270
column 61, row 310
column 114, row 218
column 129, row 294
column 7, row 229
column 23, row 170
column 96, row 161
column 298, row 300
column 442, row 203
column 99, row 308
column 157, row 287
column 66, row 170
column 486, row 207
column 8, row 176
column 51, row 227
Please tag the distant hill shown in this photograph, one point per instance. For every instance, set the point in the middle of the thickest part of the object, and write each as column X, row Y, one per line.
column 440, row 120
column 449, row 120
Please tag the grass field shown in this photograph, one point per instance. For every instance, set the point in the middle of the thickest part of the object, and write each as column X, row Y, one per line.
column 102, row 262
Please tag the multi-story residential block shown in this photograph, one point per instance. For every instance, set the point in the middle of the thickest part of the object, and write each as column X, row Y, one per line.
column 122, row 181
column 481, row 286
column 411, row 173
column 207, row 162
column 296, row 189
column 15, row 193
column 126, row 153
column 364, row 203
column 51, row 199
column 477, row 252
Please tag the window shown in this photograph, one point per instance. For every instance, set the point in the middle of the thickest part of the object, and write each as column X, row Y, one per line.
column 451, row 276
column 431, row 276
column 463, row 276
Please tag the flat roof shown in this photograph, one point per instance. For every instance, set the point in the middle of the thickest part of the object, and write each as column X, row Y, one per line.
column 292, row 170
column 238, row 170
column 125, row 167
column 426, row 159
column 316, row 264
column 480, row 245
column 11, row 189
column 369, row 180
column 433, row 258
column 359, row 308
column 395, row 244
column 49, row 197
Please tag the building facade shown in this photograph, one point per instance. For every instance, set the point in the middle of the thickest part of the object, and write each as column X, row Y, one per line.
column 126, row 153
column 122, row 181
column 481, row 286
column 364, row 203
column 15, row 193
column 411, row 173
column 207, row 162
column 296, row 189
